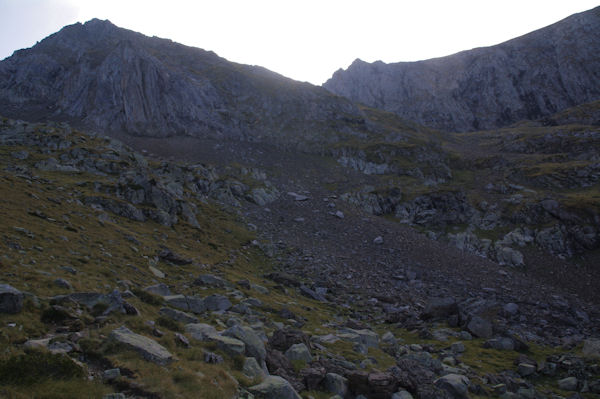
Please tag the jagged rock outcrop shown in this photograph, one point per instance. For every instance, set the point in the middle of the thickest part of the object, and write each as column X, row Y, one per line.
column 110, row 79
column 529, row 77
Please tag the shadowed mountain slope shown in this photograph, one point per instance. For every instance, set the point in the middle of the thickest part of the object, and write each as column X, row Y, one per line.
column 529, row 77
column 115, row 80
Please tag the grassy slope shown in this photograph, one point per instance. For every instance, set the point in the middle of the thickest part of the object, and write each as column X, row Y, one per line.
column 45, row 229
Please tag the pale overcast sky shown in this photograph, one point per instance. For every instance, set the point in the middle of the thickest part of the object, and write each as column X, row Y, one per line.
column 305, row 40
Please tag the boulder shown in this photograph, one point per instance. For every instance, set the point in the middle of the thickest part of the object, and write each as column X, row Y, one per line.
column 591, row 348
column 62, row 283
column 113, row 301
column 310, row 293
column 177, row 301
column 159, row 289
column 212, row 281
column 510, row 309
column 11, row 299
column 525, row 369
column 382, row 384
column 283, row 339
column 457, row 347
column 568, row 384
column 313, row 377
column 254, row 345
column 480, row 327
column 402, row 395
column 252, row 369
column 167, row 255
column 200, row 331
column 274, row 387
column 146, row 347
column 440, row 308
column 455, row 384
column 192, row 304
column 508, row 256
column 178, row 315
column 336, row 384
column 368, row 338
column 216, row 303
column 231, row 346
column 298, row 352
column 111, row 374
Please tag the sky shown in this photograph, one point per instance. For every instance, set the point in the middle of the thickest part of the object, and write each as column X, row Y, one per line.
column 306, row 40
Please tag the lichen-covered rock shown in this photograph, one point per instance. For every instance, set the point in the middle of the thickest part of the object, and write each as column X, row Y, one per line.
column 200, row 331
column 254, row 345
column 231, row 346
column 146, row 347
column 252, row 369
column 274, row 387
column 298, row 352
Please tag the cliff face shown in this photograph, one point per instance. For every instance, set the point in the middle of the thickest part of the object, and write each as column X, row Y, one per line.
column 528, row 77
column 111, row 79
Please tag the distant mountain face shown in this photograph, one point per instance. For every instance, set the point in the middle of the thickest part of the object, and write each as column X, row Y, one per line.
column 111, row 79
column 528, row 77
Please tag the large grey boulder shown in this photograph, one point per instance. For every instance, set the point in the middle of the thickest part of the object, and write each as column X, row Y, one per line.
column 254, row 345
column 212, row 281
column 298, row 352
column 252, row 369
column 336, row 384
column 440, row 308
column 11, row 299
column 480, row 327
column 402, row 395
column 231, row 346
column 274, row 387
column 591, row 348
column 200, row 331
column 217, row 303
column 187, row 303
column 159, row 289
column 568, row 384
column 146, row 347
column 508, row 256
column 178, row 315
column 368, row 338
column 455, row 384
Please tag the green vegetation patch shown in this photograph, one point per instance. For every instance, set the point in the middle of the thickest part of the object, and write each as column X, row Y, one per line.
column 34, row 367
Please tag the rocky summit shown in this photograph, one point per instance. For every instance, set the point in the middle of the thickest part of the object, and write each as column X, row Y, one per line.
column 174, row 225
column 529, row 77
column 110, row 79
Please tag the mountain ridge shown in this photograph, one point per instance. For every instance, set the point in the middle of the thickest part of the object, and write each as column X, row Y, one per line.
column 112, row 79
column 528, row 77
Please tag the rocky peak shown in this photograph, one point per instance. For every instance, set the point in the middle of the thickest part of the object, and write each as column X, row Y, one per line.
column 102, row 77
column 528, row 77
